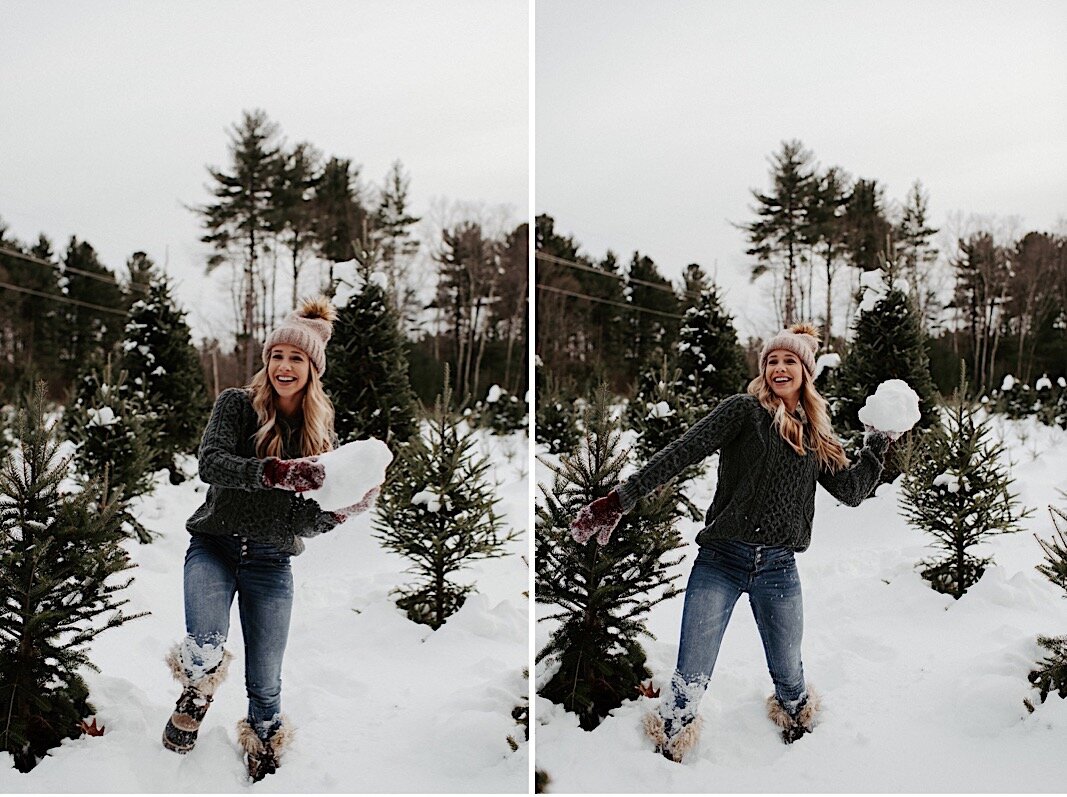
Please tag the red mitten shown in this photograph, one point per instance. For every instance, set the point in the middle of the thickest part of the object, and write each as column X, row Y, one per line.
column 361, row 506
column 599, row 518
column 298, row 475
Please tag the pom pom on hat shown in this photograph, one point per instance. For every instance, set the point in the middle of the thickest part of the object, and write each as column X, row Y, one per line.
column 801, row 339
column 308, row 328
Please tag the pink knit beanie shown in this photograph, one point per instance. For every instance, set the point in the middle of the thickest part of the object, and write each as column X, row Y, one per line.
column 308, row 328
column 801, row 339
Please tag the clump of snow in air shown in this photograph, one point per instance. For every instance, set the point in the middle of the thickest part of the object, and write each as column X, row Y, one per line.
column 1008, row 383
column 351, row 471
column 431, row 500
column 105, row 416
column 894, row 407
column 660, row 410
column 495, row 392
column 828, row 360
column 1044, row 383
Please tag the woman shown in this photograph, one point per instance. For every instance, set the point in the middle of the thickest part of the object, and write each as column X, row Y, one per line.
column 258, row 454
column 775, row 443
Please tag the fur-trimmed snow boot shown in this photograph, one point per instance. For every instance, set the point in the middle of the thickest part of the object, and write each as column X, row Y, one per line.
column 263, row 758
column 180, row 733
column 798, row 723
column 675, row 747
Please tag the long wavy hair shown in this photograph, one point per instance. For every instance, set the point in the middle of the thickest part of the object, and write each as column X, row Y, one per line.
column 317, row 434
column 820, row 436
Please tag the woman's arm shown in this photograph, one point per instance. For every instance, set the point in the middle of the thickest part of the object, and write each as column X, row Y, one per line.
column 219, row 463
column 853, row 484
column 708, row 435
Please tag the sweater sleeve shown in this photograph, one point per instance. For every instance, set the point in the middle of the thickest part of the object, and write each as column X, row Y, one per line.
column 853, row 484
column 310, row 520
column 219, row 462
column 706, row 436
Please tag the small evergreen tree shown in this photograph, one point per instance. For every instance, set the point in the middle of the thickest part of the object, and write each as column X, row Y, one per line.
column 502, row 412
column 1051, row 672
column 165, row 380
column 957, row 491
column 557, row 423
column 888, row 343
column 112, row 443
column 711, row 360
column 660, row 415
column 58, row 561
column 368, row 377
column 601, row 596
column 437, row 508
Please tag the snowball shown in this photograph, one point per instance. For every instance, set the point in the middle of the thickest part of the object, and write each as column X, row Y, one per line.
column 894, row 407
column 495, row 392
column 105, row 416
column 1044, row 383
column 351, row 471
column 660, row 410
column 828, row 360
column 1008, row 383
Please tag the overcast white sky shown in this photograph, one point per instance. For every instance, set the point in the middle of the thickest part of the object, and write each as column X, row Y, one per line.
column 110, row 111
column 654, row 120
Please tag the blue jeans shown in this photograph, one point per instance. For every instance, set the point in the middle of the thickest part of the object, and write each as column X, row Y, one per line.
column 216, row 569
column 723, row 570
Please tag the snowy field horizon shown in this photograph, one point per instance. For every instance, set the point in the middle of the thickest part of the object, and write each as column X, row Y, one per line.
column 379, row 703
column 921, row 693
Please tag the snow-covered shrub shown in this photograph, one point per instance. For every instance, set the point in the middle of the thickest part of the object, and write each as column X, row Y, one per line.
column 112, row 437
column 501, row 412
column 1051, row 672
column 60, row 554
column 437, row 509
column 957, row 491
column 600, row 596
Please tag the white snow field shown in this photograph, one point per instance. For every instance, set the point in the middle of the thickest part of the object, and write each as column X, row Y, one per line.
column 379, row 703
column 921, row 693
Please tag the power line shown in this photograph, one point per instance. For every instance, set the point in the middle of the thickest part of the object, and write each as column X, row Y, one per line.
column 58, row 298
column 39, row 262
column 622, row 278
column 576, row 295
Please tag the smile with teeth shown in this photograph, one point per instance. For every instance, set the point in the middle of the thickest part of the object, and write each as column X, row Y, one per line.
column 781, row 380
column 285, row 378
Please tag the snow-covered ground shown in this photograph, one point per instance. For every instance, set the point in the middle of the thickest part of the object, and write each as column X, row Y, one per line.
column 380, row 704
column 921, row 693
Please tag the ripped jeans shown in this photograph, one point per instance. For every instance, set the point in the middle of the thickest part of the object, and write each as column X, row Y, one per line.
column 723, row 570
column 216, row 569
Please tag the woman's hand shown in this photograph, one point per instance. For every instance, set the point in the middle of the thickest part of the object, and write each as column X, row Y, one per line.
column 358, row 508
column 599, row 518
column 297, row 475
column 877, row 440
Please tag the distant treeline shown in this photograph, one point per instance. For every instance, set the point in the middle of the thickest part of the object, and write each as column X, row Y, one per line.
column 992, row 298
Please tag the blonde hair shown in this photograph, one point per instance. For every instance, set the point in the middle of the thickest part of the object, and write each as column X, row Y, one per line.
column 828, row 449
column 317, row 434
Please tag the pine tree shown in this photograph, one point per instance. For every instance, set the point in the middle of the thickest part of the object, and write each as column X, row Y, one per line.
column 556, row 425
column 58, row 566
column 888, row 342
column 502, row 412
column 88, row 333
column 111, row 435
column 165, row 379
column 1051, row 672
column 660, row 414
column 709, row 356
column 393, row 225
column 652, row 324
column 437, row 508
column 601, row 596
column 957, row 491
column 368, row 378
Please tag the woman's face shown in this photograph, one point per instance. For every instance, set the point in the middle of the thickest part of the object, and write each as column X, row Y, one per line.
column 784, row 373
column 288, row 370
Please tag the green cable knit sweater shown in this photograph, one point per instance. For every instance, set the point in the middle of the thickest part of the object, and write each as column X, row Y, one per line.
column 766, row 491
column 238, row 504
